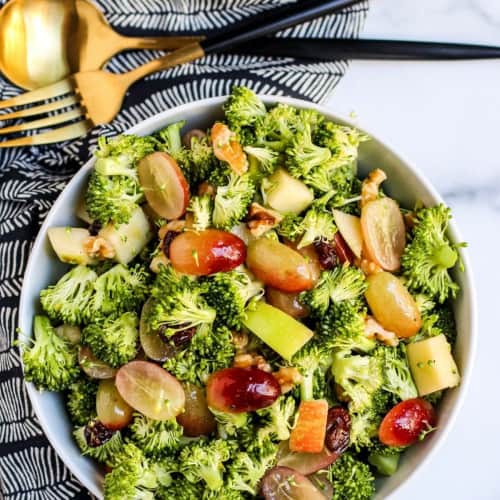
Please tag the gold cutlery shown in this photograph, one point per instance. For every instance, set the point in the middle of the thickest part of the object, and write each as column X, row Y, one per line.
column 44, row 41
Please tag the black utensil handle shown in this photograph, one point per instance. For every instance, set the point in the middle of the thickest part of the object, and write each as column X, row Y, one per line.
column 272, row 21
column 332, row 49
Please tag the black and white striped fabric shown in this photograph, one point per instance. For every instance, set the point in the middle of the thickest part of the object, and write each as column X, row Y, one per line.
column 31, row 179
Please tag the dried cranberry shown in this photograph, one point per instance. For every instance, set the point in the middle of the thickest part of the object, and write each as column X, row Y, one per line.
column 326, row 254
column 342, row 249
column 180, row 339
column 338, row 427
column 167, row 241
column 95, row 227
column 96, row 433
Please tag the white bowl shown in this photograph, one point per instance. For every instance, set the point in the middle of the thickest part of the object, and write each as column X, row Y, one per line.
column 404, row 182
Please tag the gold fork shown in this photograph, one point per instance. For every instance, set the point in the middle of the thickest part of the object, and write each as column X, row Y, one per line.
column 93, row 96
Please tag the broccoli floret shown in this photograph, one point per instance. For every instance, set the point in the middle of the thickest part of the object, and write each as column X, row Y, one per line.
column 445, row 323
column 229, row 424
column 202, row 158
column 180, row 489
column 277, row 128
column 207, row 352
column 360, row 377
column 364, row 427
column 242, row 110
column 229, row 294
column 351, row 478
column 50, row 362
column 122, row 151
column 312, row 361
column 178, row 304
column 266, row 158
column 112, row 198
column 113, row 339
column 81, row 400
column 105, row 449
column 225, row 493
column 204, row 461
column 343, row 328
column 133, row 477
column 384, row 458
column 341, row 284
column 430, row 255
column 303, row 155
column 156, row 438
column 247, row 469
column 397, row 376
column 171, row 136
column 341, row 140
column 69, row 299
column 220, row 174
column 120, row 289
column 201, row 208
column 232, row 200
column 276, row 420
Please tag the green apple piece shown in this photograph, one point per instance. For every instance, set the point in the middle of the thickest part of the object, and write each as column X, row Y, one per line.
column 68, row 244
column 130, row 238
column 286, row 194
column 350, row 229
column 277, row 329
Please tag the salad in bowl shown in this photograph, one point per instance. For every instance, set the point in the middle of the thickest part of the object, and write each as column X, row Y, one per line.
column 243, row 315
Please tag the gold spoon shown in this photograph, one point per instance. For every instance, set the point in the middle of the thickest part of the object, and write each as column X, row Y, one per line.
column 43, row 41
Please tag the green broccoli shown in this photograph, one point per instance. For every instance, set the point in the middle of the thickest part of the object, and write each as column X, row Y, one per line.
column 204, row 461
column 50, row 362
column 242, row 110
column 133, row 477
column 351, row 478
column 112, row 198
column 178, row 304
column 303, row 155
column 98, row 442
column 220, row 174
column 120, row 289
column 201, row 208
column 229, row 424
column 180, row 489
column 113, row 339
column 397, row 376
column 343, row 328
column 430, row 255
column 122, row 151
column 384, row 458
column 232, row 200
column 276, row 420
column 267, row 158
column 207, row 352
column 247, row 469
column 312, row 361
column 81, row 400
column 171, row 137
column 341, row 284
column 445, row 323
column 225, row 493
column 360, row 377
column 364, row 427
column 341, row 140
column 69, row 299
column 277, row 128
column 229, row 293
column 157, row 438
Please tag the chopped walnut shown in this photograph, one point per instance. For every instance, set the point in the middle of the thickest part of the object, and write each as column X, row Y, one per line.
column 246, row 360
column 160, row 259
column 367, row 266
column 288, row 377
column 373, row 329
column 98, row 248
column 369, row 189
column 174, row 225
column 409, row 219
column 206, row 188
column 262, row 219
column 240, row 340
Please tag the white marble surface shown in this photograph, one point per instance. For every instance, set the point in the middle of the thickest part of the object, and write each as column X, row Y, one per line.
column 445, row 118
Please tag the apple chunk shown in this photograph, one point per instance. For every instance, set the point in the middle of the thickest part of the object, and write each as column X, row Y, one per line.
column 350, row 229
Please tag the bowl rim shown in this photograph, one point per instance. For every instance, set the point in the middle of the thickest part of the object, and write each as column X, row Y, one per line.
column 162, row 117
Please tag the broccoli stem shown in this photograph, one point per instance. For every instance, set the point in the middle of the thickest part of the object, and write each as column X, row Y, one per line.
column 385, row 464
column 445, row 256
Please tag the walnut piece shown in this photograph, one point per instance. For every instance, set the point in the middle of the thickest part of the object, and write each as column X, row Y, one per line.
column 369, row 189
column 288, row 377
column 98, row 248
column 262, row 219
column 246, row 360
column 373, row 329
column 206, row 188
column 367, row 266
column 240, row 340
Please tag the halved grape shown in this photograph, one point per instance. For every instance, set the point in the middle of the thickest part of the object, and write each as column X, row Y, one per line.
column 287, row 302
column 196, row 419
column 70, row 332
column 94, row 367
column 283, row 483
column 112, row 410
column 154, row 347
column 305, row 463
column 150, row 389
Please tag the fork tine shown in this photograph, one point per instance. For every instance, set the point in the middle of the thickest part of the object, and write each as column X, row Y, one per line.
column 43, row 108
column 57, row 135
column 44, row 122
column 54, row 90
